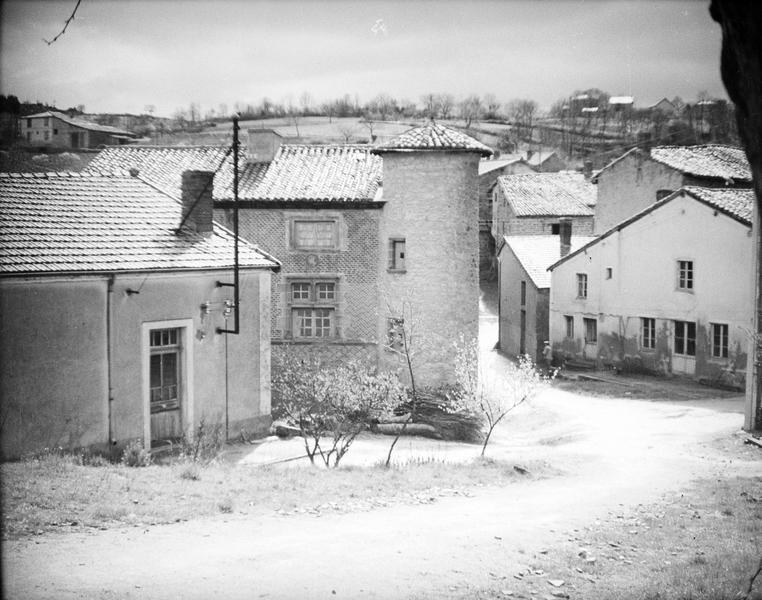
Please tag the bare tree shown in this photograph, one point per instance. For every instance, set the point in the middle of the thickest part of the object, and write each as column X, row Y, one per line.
column 370, row 124
column 445, row 104
column 470, row 109
column 430, row 105
column 347, row 130
column 491, row 106
column 522, row 112
column 305, row 100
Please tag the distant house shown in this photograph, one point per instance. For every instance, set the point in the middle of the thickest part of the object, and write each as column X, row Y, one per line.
column 360, row 230
column 489, row 171
column 56, row 130
column 544, row 161
column 111, row 315
column 533, row 204
column 524, row 288
column 668, row 290
column 638, row 178
column 665, row 107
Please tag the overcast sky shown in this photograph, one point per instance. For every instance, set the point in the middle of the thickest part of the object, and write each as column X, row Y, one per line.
column 119, row 56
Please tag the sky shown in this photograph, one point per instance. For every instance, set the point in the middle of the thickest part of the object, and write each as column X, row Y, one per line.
column 122, row 55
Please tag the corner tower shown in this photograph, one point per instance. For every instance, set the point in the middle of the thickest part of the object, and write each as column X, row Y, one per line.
column 429, row 271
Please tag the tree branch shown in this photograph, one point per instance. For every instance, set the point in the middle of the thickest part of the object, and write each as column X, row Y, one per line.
column 66, row 24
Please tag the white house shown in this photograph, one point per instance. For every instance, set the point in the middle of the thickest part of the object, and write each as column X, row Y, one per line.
column 668, row 290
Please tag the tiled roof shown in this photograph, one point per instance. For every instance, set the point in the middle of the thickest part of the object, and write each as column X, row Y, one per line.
column 75, row 223
column 566, row 193
column 433, row 136
column 341, row 173
column 81, row 124
column 486, row 166
column 539, row 158
column 736, row 202
column 713, row 160
column 537, row 252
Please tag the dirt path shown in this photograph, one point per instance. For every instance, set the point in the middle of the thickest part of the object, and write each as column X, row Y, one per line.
column 602, row 454
column 608, row 454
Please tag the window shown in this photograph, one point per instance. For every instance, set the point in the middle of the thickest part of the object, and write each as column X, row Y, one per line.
column 523, row 293
column 395, row 333
column 47, row 135
column 569, row 326
column 313, row 312
column 609, row 272
column 719, row 340
column 685, row 274
column 164, row 369
column 46, row 122
column 685, row 338
column 55, row 132
column 591, row 331
column 555, row 229
column 581, row 285
column 397, row 254
column 314, row 235
column 29, row 123
column 647, row 333
column 662, row 194
column 313, row 322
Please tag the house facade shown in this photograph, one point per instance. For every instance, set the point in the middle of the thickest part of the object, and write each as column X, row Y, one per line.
column 534, row 204
column 356, row 228
column 56, row 130
column 524, row 288
column 489, row 171
column 639, row 178
column 101, row 265
column 655, row 294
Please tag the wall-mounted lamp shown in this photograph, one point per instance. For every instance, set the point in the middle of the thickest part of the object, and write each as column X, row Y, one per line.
column 228, row 308
column 206, row 307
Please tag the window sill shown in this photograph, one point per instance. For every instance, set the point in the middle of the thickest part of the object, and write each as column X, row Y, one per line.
column 396, row 270
column 685, row 290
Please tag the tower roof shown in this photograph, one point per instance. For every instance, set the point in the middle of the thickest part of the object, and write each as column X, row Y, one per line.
column 433, row 137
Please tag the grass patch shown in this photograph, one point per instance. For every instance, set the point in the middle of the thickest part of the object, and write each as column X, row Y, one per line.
column 702, row 544
column 55, row 493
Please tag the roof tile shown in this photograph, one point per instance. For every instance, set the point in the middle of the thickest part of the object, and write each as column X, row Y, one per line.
column 565, row 193
column 433, row 136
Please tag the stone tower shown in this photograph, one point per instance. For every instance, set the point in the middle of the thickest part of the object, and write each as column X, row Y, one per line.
column 429, row 271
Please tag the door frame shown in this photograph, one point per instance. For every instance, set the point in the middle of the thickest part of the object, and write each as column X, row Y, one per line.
column 185, row 327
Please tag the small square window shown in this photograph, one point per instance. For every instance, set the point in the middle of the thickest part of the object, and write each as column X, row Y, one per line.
column 609, row 272
column 316, row 235
column 555, row 229
column 581, row 285
column 325, row 290
column 300, row 291
column 55, row 132
column 397, row 254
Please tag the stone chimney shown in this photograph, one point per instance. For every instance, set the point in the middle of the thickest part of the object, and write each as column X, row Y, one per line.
column 263, row 144
column 587, row 168
column 197, row 188
column 565, row 230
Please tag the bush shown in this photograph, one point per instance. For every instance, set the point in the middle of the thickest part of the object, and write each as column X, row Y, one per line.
column 135, row 455
column 205, row 445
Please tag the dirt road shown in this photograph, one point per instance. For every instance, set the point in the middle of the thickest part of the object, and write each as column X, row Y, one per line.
column 606, row 453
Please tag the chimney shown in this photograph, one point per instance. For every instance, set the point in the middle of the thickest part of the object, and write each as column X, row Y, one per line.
column 565, row 230
column 529, row 154
column 587, row 168
column 197, row 188
column 263, row 144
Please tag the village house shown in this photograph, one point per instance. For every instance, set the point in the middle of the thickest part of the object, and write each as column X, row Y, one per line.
column 51, row 129
column 665, row 107
column 534, row 204
column 640, row 177
column 544, row 161
column 524, row 287
column 115, row 302
column 667, row 291
column 489, row 171
column 360, row 231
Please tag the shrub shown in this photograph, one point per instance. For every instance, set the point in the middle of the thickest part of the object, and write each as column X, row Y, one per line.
column 135, row 455
column 205, row 445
